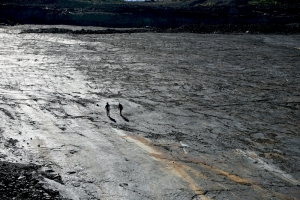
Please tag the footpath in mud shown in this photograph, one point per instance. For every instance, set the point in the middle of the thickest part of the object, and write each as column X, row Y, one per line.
column 206, row 116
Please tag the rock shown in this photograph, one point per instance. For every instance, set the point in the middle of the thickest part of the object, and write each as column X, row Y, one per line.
column 24, row 187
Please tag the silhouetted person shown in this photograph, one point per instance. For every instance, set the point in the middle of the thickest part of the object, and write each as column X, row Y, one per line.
column 120, row 108
column 107, row 108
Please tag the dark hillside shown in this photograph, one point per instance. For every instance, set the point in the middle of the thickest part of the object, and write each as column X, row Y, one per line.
column 166, row 14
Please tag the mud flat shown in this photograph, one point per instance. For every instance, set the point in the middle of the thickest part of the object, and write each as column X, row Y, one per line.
column 205, row 116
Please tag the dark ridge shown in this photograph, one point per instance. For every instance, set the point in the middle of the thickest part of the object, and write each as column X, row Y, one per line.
column 7, row 113
column 223, row 28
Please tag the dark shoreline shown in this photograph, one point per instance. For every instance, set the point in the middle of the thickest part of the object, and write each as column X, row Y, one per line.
column 201, row 29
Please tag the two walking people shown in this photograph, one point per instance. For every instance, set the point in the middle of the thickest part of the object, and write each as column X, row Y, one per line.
column 107, row 108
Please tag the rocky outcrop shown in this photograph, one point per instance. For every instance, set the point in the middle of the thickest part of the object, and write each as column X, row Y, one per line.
column 23, row 181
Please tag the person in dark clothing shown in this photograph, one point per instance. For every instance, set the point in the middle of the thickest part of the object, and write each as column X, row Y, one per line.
column 107, row 108
column 120, row 108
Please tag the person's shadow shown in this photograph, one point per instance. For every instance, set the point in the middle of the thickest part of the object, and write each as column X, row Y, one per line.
column 112, row 119
column 127, row 120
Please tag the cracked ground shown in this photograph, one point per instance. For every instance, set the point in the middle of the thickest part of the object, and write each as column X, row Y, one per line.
column 206, row 116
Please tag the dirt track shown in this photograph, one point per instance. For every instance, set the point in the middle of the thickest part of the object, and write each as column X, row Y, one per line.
column 205, row 116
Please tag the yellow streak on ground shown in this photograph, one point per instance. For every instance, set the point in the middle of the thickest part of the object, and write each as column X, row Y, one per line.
column 142, row 142
column 229, row 191
column 294, row 198
column 253, row 155
column 196, row 173
column 181, row 170
column 171, row 161
column 203, row 123
column 296, row 47
column 270, row 155
column 234, row 178
column 176, row 168
column 158, row 155
column 161, row 156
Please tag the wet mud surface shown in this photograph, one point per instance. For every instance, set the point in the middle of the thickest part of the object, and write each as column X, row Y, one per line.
column 205, row 116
